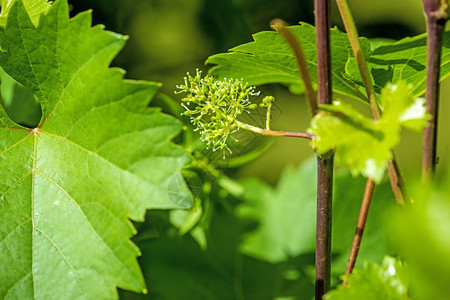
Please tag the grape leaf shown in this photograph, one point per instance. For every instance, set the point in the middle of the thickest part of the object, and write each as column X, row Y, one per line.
column 360, row 143
column 269, row 59
column 388, row 281
column 34, row 8
column 285, row 217
column 403, row 60
column 98, row 158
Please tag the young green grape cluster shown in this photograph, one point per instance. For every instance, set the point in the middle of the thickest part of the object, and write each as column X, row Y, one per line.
column 214, row 105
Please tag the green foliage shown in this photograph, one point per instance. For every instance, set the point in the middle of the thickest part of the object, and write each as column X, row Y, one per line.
column 285, row 217
column 227, row 269
column 98, row 158
column 176, row 268
column 269, row 59
column 404, row 60
column 191, row 221
column 421, row 236
column 362, row 144
column 276, row 211
column 34, row 9
column 388, row 281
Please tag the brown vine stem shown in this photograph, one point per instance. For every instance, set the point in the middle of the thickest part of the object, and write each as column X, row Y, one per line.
column 280, row 26
column 394, row 174
column 364, row 211
column 325, row 163
column 397, row 183
column 323, row 225
column 268, row 132
column 436, row 15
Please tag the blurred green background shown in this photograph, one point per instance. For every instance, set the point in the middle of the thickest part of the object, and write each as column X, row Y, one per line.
column 171, row 37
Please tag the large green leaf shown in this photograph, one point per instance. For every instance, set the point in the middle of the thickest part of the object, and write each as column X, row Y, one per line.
column 98, row 158
column 285, row 217
column 404, row 60
column 269, row 59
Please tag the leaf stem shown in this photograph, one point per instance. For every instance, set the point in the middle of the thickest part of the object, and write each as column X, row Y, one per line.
column 274, row 132
column 268, row 115
column 397, row 183
column 324, row 164
column 362, row 218
column 353, row 36
column 352, row 32
column 394, row 173
column 436, row 15
column 280, row 26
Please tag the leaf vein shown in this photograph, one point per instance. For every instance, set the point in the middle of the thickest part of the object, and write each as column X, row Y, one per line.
column 15, row 182
column 85, row 217
column 15, row 283
column 15, row 145
column 14, row 229
column 62, row 255
column 94, row 153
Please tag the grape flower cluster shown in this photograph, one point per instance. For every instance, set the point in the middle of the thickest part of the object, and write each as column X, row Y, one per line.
column 214, row 105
